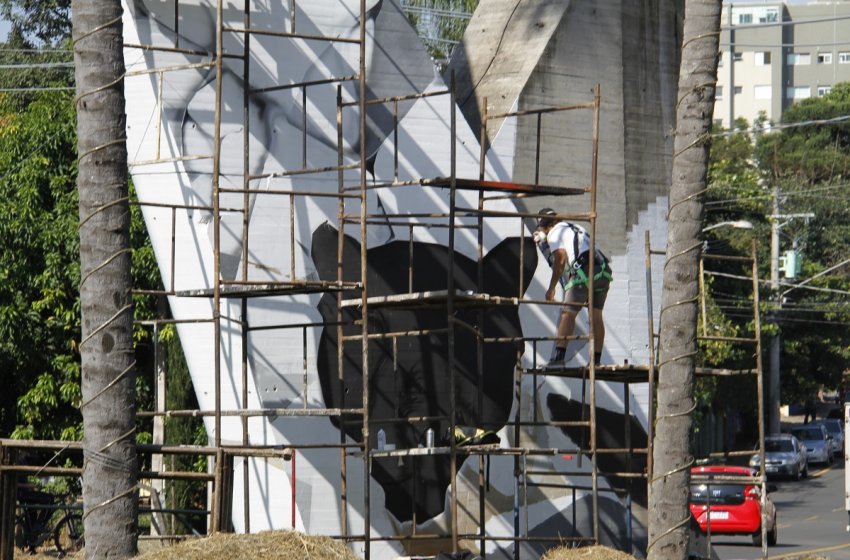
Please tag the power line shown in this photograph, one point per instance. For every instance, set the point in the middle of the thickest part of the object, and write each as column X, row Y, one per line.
column 768, row 282
column 37, row 65
column 36, row 51
column 10, row 90
column 781, row 126
column 786, row 194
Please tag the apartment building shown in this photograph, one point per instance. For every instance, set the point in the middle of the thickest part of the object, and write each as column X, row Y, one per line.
column 776, row 53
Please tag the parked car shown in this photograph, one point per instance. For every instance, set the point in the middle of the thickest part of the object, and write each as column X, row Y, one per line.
column 731, row 508
column 817, row 440
column 784, row 455
column 835, row 429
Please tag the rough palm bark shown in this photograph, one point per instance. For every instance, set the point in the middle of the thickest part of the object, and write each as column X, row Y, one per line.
column 110, row 472
column 669, row 517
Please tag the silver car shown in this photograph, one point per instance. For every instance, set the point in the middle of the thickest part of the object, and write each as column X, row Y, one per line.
column 835, row 429
column 817, row 440
column 784, row 455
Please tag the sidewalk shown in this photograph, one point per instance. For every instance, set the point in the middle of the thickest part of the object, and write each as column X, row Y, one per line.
column 786, row 422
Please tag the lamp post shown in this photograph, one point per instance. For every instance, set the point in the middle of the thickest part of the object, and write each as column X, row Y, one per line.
column 737, row 224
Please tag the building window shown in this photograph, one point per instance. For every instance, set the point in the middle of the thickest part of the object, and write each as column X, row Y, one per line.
column 737, row 90
column 825, row 58
column 762, row 92
column 763, row 58
column 799, row 92
column 737, row 56
column 718, row 92
column 844, row 58
column 823, row 90
column 799, row 59
column 769, row 15
column 748, row 15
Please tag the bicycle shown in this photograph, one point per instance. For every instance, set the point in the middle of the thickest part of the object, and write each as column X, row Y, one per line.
column 33, row 522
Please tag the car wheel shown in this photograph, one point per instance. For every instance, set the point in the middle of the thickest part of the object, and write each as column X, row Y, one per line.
column 773, row 535
column 757, row 538
column 806, row 470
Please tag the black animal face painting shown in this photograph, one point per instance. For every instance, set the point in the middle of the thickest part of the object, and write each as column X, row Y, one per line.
column 611, row 430
column 409, row 378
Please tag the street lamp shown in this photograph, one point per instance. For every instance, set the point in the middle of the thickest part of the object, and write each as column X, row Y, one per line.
column 737, row 224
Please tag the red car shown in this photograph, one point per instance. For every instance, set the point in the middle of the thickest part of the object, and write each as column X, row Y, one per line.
column 731, row 508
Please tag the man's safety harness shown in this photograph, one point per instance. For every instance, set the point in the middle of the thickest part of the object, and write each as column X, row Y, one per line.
column 578, row 276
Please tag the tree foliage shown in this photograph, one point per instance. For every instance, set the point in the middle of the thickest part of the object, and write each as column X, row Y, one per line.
column 811, row 153
column 40, row 274
column 440, row 23
column 43, row 22
column 808, row 158
column 39, row 270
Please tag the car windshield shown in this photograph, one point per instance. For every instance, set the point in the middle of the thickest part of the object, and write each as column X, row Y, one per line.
column 832, row 427
column 809, row 434
column 775, row 445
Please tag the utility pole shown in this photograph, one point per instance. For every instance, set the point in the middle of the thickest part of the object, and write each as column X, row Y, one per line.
column 775, row 340
column 773, row 394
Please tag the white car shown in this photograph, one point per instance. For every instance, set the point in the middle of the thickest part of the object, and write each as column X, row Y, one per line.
column 836, row 430
column 817, row 440
column 784, row 455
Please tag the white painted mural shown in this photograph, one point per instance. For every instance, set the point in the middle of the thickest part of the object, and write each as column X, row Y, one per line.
column 171, row 94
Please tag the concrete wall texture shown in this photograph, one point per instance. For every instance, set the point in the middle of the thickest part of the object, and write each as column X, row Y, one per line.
column 631, row 49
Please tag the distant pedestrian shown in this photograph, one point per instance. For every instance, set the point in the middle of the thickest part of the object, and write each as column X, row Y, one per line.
column 810, row 411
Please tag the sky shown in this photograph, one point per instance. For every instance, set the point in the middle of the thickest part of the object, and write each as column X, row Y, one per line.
column 4, row 29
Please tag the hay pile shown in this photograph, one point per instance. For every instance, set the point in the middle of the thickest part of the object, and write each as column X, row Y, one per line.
column 586, row 553
column 270, row 545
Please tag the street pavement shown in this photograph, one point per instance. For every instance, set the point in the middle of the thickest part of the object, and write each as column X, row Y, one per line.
column 811, row 518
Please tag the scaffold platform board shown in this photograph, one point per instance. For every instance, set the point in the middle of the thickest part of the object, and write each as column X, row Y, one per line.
column 434, row 298
column 503, row 186
column 270, row 289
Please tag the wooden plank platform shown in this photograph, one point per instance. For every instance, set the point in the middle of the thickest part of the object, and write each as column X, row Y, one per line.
column 435, row 298
column 503, row 186
column 626, row 373
column 270, row 289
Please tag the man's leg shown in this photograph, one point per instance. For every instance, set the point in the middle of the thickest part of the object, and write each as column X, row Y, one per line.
column 566, row 326
column 599, row 298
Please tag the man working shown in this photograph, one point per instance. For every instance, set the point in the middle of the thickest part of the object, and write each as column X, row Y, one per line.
column 567, row 247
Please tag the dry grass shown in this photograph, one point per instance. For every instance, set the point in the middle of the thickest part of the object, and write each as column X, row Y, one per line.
column 586, row 553
column 290, row 545
column 270, row 545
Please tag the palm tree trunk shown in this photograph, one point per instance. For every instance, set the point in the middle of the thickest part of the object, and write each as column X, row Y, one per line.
column 110, row 471
column 669, row 516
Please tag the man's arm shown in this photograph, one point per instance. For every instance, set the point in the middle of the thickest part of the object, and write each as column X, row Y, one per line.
column 559, row 262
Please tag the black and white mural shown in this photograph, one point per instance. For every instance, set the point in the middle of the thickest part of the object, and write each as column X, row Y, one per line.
column 271, row 134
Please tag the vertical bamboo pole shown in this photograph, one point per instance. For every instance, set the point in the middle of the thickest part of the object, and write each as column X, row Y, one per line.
column 367, row 498
column 590, row 289
column 450, row 321
column 219, row 70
